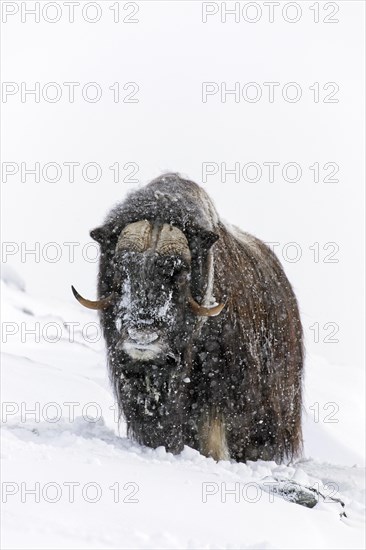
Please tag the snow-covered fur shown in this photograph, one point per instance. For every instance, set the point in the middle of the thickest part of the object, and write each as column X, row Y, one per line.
column 230, row 385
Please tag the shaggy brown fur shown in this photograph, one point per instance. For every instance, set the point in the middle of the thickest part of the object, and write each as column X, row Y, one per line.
column 229, row 385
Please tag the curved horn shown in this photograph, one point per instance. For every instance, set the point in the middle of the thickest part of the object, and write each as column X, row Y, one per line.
column 135, row 236
column 171, row 240
column 104, row 303
column 205, row 311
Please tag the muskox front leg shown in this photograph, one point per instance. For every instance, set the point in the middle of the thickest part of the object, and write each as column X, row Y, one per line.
column 157, row 432
column 153, row 406
column 212, row 436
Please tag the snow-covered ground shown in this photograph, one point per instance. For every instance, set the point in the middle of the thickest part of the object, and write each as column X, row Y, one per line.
column 170, row 52
column 71, row 479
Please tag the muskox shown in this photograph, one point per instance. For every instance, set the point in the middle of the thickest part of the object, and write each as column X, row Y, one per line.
column 202, row 327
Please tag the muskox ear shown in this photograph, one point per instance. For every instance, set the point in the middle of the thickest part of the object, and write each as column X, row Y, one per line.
column 98, row 234
column 208, row 238
column 201, row 240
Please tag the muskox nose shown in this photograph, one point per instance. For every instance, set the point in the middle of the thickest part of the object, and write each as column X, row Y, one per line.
column 142, row 336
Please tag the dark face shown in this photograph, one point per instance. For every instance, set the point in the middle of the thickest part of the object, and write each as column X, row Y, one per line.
column 149, row 316
column 148, row 311
column 151, row 313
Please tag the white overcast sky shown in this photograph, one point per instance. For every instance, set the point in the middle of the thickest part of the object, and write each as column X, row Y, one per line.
column 169, row 53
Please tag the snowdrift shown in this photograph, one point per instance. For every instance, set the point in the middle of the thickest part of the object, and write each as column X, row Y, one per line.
column 71, row 478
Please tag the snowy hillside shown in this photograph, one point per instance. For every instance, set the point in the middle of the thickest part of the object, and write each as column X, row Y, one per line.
column 262, row 104
column 71, row 479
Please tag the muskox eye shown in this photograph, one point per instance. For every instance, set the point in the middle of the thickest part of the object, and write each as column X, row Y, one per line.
column 171, row 266
column 121, row 265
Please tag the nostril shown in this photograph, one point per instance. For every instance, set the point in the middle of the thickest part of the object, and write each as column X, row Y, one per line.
column 142, row 336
